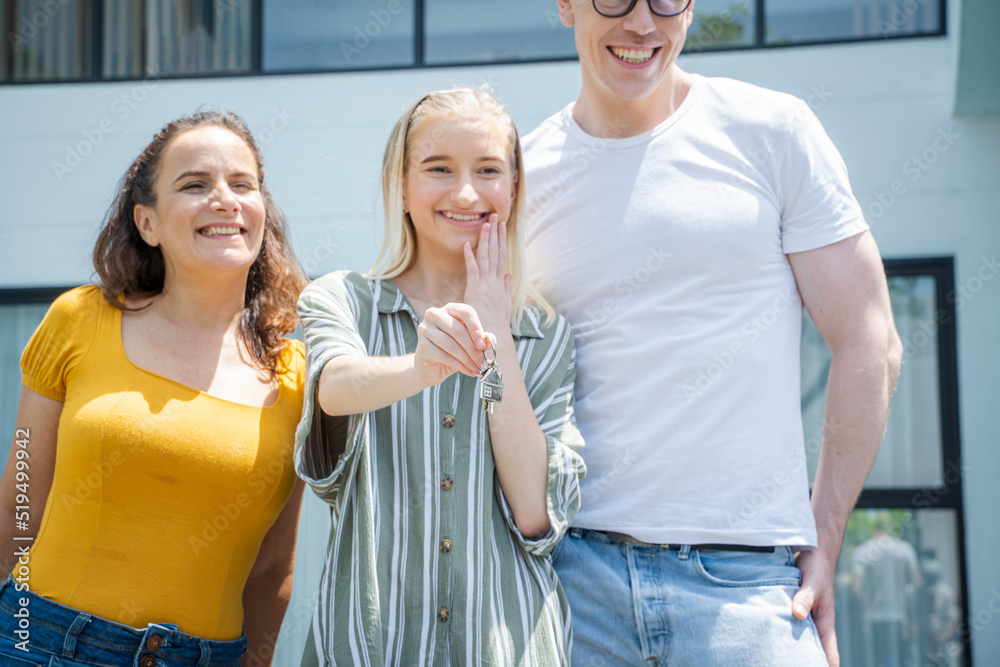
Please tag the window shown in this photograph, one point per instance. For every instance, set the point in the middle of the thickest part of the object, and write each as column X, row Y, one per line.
column 721, row 24
column 900, row 581
column 80, row 40
column 315, row 35
column 21, row 310
column 46, row 41
column 483, row 31
column 93, row 40
column 798, row 21
column 161, row 37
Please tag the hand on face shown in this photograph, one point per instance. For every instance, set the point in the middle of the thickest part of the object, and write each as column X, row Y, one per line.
column 452, row 339
column 487, row 286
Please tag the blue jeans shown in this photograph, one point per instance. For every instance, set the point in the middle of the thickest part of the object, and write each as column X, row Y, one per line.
column 58, row 636
column 659, row 607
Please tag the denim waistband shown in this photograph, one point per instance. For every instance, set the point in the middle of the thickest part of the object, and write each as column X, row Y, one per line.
column 55, row 629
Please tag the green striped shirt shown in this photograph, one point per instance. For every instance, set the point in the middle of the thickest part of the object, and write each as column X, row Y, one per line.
column 425, row 564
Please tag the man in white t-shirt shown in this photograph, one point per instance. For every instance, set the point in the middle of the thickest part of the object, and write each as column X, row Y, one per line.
column 681, row 223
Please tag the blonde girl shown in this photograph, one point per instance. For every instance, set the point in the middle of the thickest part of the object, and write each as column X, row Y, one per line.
column 444, row 514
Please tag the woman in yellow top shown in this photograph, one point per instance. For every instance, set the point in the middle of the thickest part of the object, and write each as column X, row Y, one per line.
column 157, row 419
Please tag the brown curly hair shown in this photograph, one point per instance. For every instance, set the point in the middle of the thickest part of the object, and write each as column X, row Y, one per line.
column 127, row 266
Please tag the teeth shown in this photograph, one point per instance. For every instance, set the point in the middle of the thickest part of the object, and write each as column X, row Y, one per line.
column 220, row 231
column 633, row 56
column 462, row 218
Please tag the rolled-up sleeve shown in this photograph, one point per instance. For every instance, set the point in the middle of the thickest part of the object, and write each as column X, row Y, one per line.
column 550, row 382
column 325, row 446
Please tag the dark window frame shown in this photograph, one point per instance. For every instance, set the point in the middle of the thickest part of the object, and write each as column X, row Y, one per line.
column 257, row 41
column 15, row 296
column 948, row 496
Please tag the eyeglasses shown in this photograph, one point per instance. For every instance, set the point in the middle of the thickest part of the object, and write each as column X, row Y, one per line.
column 614, row 9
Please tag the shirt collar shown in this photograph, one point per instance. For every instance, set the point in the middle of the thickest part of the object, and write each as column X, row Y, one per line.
column 389, row 299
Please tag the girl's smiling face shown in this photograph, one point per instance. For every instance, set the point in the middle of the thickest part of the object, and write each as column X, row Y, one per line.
column 459, row 172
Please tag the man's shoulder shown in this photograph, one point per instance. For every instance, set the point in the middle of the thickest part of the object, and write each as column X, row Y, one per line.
column 550, row 128
column 750, row 103
column 728, row 88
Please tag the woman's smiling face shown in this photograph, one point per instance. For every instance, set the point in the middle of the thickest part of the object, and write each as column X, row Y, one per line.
column 209, row 212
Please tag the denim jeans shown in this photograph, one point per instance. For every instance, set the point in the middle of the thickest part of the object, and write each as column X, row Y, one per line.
column 660, row 607
column 58, row 636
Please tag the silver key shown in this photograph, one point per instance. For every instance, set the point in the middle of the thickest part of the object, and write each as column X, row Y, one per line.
column 490, row 382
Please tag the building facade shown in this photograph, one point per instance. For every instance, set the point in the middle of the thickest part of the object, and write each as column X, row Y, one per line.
column 909, row 90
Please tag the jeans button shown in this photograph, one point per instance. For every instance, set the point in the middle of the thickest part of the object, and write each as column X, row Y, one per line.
column 154, row 642
column 148, row 661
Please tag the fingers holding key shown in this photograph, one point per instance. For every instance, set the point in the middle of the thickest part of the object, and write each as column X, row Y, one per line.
column 455, row 337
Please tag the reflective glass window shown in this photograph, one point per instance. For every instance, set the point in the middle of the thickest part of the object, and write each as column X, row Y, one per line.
column 911, row 453
column 17, row 322
column 721, row 23
column 476, row 31
column 899, row 592
column 163, row 38
column 45, row 41
column 327, row 35
column 792, row 21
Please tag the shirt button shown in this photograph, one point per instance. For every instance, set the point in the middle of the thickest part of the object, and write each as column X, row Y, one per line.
column 443, row 614
column 448, row 421
column 445, row 546
column 447, row 483
column 154, row 642
column 147, row 661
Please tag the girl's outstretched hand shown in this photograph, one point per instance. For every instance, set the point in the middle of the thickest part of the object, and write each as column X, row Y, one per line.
column 449, row 340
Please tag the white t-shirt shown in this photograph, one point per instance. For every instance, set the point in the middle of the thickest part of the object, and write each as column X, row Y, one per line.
column 666, row 251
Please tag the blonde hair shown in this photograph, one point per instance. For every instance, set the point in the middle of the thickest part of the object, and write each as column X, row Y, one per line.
column 399, row 247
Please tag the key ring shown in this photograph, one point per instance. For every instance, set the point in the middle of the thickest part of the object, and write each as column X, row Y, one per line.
column 489, row 338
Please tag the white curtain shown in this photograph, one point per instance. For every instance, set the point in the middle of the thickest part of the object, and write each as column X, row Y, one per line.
column 51, row 42
column 164, row 37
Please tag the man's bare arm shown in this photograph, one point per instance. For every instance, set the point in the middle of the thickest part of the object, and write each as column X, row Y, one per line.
column 843, row 287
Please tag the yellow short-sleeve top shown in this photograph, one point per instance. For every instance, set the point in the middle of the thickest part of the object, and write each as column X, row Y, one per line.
column 162, row 494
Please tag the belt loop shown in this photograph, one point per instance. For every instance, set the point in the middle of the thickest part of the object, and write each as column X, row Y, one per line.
column 6, row 582
column 69, row 646
column 206, row 653
column 684, row 552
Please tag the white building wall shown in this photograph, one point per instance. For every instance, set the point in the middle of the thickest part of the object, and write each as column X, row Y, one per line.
column 63, row 148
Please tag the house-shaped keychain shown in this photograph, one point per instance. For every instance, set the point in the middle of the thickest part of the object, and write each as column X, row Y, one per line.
column 490, row 384
column 491, row 387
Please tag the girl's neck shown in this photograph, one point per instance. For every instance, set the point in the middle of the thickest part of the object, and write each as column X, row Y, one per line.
column 431, row 284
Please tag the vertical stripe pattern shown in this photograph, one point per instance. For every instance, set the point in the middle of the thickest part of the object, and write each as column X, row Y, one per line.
column 409, row 478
